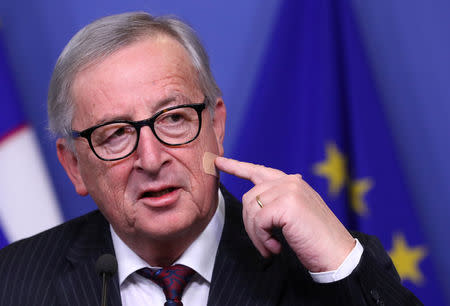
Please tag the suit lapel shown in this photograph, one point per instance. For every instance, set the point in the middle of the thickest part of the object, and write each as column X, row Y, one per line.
column 241, row 275
column 79, row 283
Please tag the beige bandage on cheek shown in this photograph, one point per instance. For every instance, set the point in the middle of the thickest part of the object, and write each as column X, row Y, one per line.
column 208, row 164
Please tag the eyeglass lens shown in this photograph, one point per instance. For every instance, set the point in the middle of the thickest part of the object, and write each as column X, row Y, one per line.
column 173, row 127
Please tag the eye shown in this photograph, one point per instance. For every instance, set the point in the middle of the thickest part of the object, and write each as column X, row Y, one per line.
column 119, row 132
column 112, row 133
column 174, row 117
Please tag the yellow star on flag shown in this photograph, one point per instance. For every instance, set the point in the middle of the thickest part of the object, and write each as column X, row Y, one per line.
column 406, row 259
column 358, row 189
column 334, row 168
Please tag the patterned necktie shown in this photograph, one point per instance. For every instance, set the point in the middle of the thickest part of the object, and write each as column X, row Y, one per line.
column 172, row 280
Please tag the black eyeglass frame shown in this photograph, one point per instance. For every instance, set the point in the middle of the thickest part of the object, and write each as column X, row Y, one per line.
column 150, row 122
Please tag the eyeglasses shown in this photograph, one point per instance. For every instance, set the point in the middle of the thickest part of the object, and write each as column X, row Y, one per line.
column 173, row 126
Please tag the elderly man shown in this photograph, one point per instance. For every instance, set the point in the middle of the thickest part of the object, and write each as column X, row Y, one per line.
column 140, row 120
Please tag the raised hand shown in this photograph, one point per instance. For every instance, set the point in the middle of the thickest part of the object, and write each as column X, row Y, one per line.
column 311, row 229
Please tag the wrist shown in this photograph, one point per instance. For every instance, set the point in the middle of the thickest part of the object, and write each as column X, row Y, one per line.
column 344, row 270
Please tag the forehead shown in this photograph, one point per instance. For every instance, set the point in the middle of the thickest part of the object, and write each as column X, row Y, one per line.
column 136, row 77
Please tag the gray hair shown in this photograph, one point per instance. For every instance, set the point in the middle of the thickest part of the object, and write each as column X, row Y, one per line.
column 107, row 35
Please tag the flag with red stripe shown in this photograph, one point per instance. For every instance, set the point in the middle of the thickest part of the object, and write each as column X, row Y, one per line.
column 27, row 202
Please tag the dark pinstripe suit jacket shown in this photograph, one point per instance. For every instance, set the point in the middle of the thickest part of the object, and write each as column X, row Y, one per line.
column 56, row 267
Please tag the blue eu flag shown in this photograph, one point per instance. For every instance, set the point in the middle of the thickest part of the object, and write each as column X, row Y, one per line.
column 315, row 111
column 3, row 241
column 10, row 117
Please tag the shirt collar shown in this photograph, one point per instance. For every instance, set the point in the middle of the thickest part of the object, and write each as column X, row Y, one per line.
column 200, row 255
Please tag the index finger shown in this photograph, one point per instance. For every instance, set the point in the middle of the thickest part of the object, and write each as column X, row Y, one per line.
column 255, row 173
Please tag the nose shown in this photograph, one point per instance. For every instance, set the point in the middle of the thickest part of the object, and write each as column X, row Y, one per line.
column 150, row 153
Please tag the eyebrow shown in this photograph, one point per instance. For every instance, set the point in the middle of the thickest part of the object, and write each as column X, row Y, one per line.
column 164, row 103
column 159, row 105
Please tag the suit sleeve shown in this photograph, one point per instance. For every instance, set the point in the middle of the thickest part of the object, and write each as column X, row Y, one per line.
column 375, row 281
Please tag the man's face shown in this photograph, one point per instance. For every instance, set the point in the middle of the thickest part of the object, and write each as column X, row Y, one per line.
column 158, row 192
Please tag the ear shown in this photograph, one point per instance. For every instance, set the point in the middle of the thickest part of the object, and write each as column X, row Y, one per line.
column 69, row 161
column 220, row 115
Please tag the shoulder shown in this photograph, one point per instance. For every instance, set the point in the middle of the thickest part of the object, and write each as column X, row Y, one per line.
column 31, row 269
column 48, row 245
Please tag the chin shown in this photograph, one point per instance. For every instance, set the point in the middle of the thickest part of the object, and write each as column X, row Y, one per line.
column 166, row 228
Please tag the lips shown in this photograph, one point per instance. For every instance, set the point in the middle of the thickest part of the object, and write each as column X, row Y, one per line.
column 157, row 194
column 164, row 196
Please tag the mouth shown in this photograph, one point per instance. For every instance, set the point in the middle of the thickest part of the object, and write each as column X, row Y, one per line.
column 157, row 194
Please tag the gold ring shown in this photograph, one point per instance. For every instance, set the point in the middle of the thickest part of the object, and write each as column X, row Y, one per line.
column 258, row 200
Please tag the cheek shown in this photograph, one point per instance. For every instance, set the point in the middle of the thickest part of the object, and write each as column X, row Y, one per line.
column 197, row 158
column 203, row 185
column 105, row 181
column 108, row 189
column 208, row 148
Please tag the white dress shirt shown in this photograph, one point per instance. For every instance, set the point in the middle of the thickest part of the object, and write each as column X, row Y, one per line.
column 200, row 256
